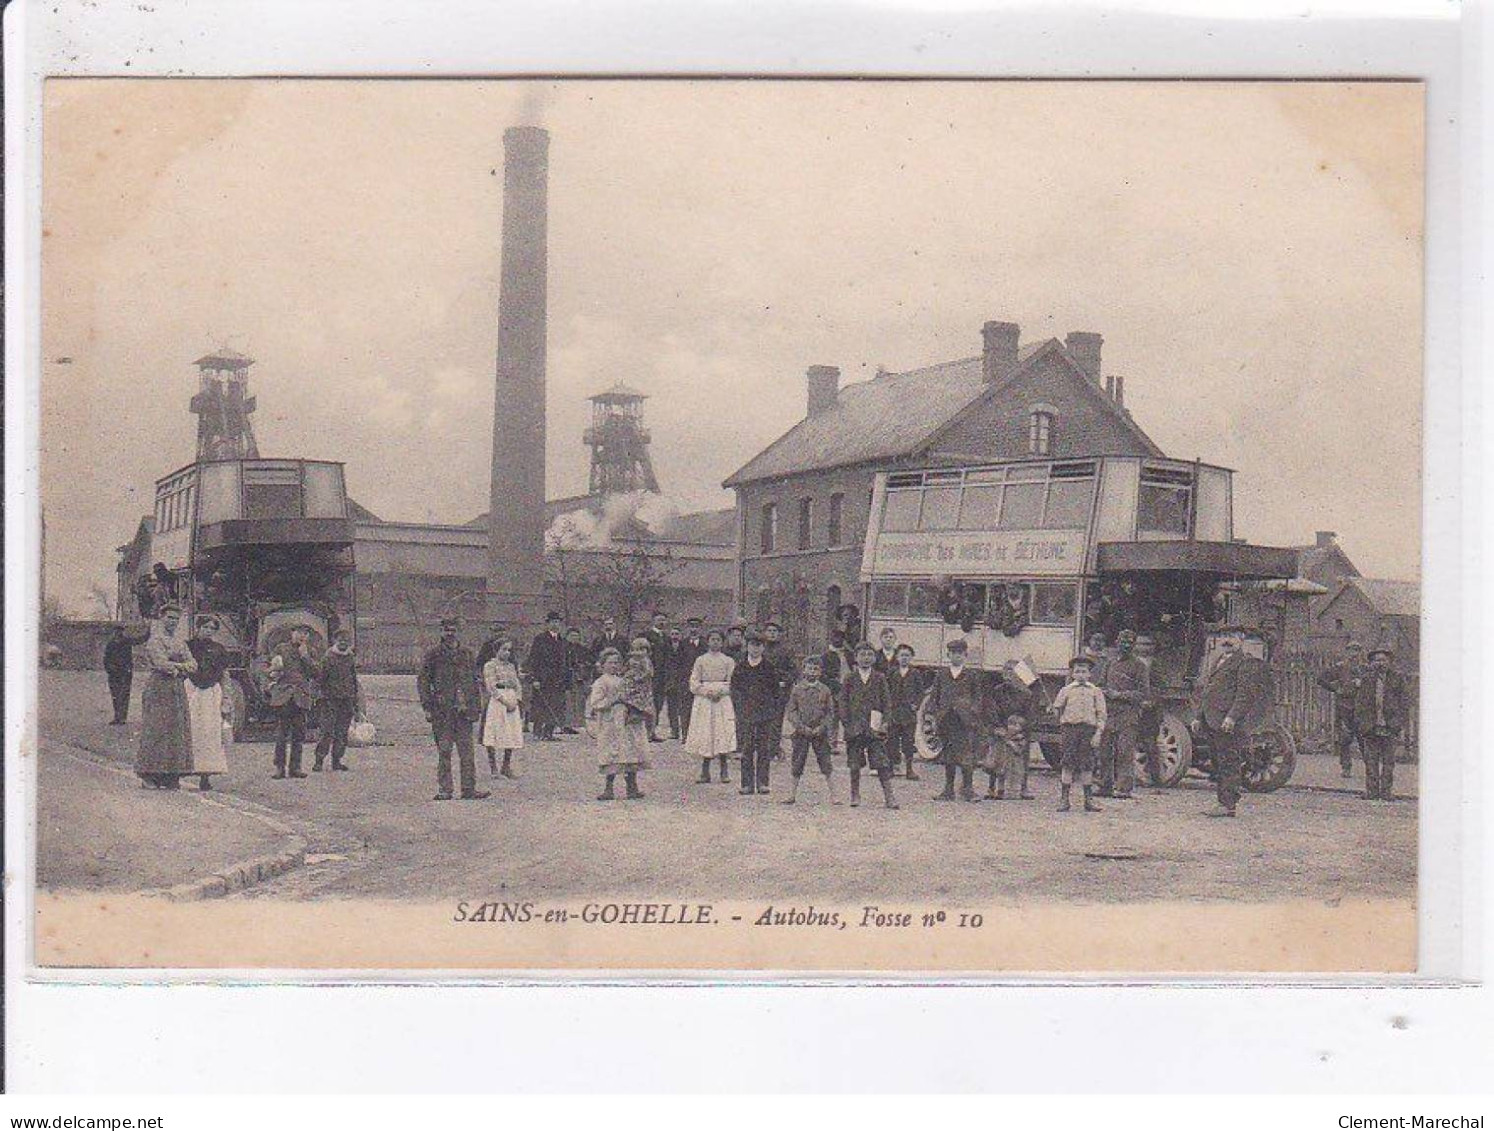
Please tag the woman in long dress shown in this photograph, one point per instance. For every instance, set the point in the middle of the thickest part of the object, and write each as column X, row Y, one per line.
column 204, row 688
column 502, row 724
column 713, row 722
column 165, row 734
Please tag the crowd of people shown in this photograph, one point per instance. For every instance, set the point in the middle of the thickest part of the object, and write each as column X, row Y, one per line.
column 740, row 695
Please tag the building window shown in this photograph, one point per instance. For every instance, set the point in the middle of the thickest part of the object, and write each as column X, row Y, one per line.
column 837, row 517
column 1039, row 431
column 806, row 523
column 770, row 527
column 1164, row 502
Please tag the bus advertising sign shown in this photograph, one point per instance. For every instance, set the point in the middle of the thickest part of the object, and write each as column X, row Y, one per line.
column 980, row 552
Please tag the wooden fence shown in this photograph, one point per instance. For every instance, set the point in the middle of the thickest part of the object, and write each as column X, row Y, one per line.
column 1307, row 710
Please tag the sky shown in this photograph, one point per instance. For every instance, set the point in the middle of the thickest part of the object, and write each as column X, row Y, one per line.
column 1251, row 253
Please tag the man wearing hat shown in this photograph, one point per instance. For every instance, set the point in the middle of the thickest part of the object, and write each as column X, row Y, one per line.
column 337, row 700
column 694, row 647
column 451, row 697
column 1127, row 683
column 610, row 638
column 548, row 668
column 759, row 711
column 1381, row 710
column 1342, row 680
column 957, row 704
column 1236, row 699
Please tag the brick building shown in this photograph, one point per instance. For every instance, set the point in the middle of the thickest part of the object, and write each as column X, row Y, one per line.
column 803, row 502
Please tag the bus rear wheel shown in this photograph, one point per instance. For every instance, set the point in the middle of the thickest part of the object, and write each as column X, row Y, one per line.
column 1174, row 753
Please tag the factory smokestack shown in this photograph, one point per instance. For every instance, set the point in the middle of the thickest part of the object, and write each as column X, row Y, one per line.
column 516, row 511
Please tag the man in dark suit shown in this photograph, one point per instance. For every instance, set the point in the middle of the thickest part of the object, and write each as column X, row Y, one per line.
column 451, row 696
column 610, row 638
column 292, row 694
column 548, row 667
column 658, row 653
column 695, row 648
column 1237, row 698
column 119, row 666
column 1381, row 710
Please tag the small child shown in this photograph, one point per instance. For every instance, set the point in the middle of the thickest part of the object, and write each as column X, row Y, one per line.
column 1080, row 707
column 810, row 715
column 619, row 715
column 1007, row 761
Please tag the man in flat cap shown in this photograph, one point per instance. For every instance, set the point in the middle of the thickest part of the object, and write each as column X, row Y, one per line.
column 1127, row 683
column 1342, row 680
column 1381, row 710
column 1236, row 700
column 451, row 697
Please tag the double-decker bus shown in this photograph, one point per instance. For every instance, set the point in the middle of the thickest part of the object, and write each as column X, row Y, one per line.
column 267, row 545
column 1027, row 559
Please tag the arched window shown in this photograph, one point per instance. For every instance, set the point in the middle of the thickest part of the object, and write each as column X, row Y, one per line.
column 1040, row 421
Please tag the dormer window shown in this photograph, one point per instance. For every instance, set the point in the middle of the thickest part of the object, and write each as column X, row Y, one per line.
column 1040, row 420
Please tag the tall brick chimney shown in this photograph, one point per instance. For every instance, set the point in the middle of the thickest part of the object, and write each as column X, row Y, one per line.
column 516, row 509
column 1326, row 538
column 999, row 353
column 1084, row 346
column 823, row 384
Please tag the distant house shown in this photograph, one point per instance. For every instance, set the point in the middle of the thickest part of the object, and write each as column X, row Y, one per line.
column 1325, row 563
column 803, row 503
column 1376, row 612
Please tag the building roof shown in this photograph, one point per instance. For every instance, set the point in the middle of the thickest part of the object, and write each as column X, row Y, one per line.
column 359, row 513
column 619, row 392
column 1311, row 559
column 895, row 414
column 1388, row 598
column 224, row 359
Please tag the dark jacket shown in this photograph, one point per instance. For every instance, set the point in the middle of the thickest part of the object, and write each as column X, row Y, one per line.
column 582, row 661
column 548, row 661
column 905, row 693
column 785, row 667
column 858, row 699
column 834, row 664
column 1127, row 684
column 1240, row 687
column 679, row 662
column 962, row 700
column 885, row 663
column 296, row 681
column 658, row 652
column 119, row 656
column 339, row 676
column 754, row 692
column 211, row 659
column 603, row 642
column 1394, row 706
column 448, row 683
column 1343, row 680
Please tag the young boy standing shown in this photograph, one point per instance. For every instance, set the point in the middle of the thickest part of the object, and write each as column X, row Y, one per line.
column 956, row 704
column 1080, row 707
column 810, row 715
column 905, row 689
column 863, row 715
column 755, row 698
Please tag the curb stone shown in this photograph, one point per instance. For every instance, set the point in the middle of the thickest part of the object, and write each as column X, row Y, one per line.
column 227, row 880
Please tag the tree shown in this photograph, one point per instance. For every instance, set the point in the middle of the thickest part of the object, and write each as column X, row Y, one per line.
column 628, row 576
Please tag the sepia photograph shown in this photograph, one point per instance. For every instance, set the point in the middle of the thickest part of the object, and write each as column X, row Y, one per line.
column 797, row 528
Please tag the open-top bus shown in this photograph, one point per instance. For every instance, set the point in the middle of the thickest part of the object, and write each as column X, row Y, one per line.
column 1027, row 559
column 267, row 545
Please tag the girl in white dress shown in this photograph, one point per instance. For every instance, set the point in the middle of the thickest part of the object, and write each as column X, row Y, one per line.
column 713, row 723
column 502, row 724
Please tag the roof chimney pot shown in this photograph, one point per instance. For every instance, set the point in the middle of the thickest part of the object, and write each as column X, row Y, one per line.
column 1327, row 538
column 999, row 355
column 1084, row 347
column 823, row 385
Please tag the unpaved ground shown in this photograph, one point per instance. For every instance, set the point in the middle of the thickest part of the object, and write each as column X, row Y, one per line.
column 376, row 833
column 99, row 831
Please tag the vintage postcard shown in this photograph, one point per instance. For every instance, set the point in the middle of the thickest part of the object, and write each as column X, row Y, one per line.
column 791, row 528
